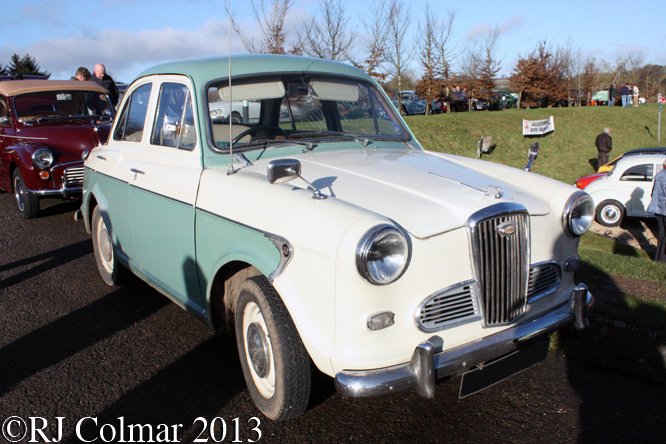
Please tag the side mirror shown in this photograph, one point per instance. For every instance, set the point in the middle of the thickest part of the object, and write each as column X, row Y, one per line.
column 283, row 170
column 532, row 155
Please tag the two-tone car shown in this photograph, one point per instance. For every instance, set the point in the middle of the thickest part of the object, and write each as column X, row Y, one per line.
column 45, row 127
column 336, row 241
column 625, row 187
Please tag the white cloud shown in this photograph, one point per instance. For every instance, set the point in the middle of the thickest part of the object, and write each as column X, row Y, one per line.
column 510, row 25
column 126, row 53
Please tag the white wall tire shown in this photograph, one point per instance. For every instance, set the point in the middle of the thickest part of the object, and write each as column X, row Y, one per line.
column 275, row 364
column 112, row 272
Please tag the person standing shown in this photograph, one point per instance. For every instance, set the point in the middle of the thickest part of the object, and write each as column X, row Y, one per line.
column 635, row 91
column 612, row 93
column 604, row 144
column 658, row 207
column 107, row 82
column 624, row 93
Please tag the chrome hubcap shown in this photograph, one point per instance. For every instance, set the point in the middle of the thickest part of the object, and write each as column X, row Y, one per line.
column 257, row 348
column 18, row 192
column 611, row 214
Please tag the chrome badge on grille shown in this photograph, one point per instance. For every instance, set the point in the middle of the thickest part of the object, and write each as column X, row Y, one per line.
column 507, row 229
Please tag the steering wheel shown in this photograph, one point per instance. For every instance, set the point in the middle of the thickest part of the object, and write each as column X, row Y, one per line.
column 257, row 129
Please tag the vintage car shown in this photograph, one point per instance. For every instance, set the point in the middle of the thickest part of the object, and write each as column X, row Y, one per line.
column 626, row 189
column 339, row 241
column 45, row 126
column 637, row 152
column 412, row 104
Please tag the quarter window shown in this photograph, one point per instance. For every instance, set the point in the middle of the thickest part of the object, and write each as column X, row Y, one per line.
column 133, row 118
column 639, row 173
column 174, row 122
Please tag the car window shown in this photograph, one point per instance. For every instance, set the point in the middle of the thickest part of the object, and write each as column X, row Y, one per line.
column 62, row 104
column 174, row 122
column 639, row 173
column 3, row 111
column 302, row 108
column 133, row 118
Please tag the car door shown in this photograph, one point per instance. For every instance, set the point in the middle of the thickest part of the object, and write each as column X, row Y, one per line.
column 636, row 183
column 166, row 172
column 114, row 162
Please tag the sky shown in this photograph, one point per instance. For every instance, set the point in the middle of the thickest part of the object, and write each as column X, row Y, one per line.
column 128, row 36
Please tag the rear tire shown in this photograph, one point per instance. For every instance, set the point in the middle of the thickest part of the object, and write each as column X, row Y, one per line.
column 275, row 363
column 610, row 213
column 113, row 272
column 27, row 203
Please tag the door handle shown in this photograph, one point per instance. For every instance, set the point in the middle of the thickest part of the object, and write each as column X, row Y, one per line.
column 135, row 171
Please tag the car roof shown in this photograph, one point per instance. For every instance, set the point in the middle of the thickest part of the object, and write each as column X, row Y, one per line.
column 635, row 160
column 204, row 70
column 644, row 151
column 14, row 87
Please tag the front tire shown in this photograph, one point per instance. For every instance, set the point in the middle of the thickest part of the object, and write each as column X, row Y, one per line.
column 113, row 272
column 27, row 203
column 610, row 213
column 275, row 364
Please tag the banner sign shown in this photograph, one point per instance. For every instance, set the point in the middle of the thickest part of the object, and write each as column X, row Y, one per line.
column 538, row 127
column 661, row 99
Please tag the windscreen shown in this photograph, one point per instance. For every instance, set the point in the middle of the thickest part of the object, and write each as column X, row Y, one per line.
column 62, row 104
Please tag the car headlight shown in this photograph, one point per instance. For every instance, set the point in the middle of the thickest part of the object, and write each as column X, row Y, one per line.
column 382, row 255
column 578, row 214
column 42, row 158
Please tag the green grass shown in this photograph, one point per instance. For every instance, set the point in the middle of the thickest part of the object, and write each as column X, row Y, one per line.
column 564, row 154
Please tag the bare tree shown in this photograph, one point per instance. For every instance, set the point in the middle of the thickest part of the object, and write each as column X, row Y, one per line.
column 570, row 61
column 373, row 41
column 433, row 54
column 270, row 17
column 635, row 62
column 480, row 65
column 398, row 52
column 328, row 37
column 446, row 53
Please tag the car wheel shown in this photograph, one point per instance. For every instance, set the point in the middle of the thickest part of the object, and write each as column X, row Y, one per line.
column 275, row 363
column 403, row 111
column 610, row 213
column 112, row 272
column 28, row 203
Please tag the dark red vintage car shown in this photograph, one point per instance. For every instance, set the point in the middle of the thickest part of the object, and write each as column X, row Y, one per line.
column 45, row 127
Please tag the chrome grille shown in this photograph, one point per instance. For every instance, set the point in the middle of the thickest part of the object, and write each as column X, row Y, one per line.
column 543, row 279
column 452, row 306
column 502, row 265
column 73, row 176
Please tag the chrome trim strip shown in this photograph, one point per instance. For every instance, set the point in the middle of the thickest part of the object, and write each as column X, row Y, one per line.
column 454, row 362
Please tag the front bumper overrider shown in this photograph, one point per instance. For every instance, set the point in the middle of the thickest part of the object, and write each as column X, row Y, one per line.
column 427, row 364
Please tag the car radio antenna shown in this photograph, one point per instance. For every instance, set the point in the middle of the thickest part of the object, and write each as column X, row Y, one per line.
column 232, row 170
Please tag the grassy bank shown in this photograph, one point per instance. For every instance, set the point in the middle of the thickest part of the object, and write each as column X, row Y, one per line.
column 564, row 154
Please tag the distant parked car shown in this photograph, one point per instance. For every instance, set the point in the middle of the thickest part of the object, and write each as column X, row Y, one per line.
column 412, row 103
column 625, row 190
column 45, row 126
column 502, row 100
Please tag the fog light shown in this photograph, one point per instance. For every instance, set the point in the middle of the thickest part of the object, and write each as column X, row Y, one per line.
column 572, row 265
column 44, row 175
column 381, row 320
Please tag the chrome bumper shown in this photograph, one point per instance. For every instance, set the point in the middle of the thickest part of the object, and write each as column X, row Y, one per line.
column 427, row 364
column 63, row 191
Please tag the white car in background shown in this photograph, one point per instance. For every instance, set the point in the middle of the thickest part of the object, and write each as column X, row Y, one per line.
column 626, row 189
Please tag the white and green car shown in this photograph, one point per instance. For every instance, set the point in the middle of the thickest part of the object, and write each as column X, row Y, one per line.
column 316, row 227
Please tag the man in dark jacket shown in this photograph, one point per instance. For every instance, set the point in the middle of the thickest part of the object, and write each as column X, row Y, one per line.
column 604, row 144
column 107, row 82
column 624, row 92
column 612, row 94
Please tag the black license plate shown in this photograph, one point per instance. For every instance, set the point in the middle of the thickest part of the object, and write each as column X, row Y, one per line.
column 481, row 378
